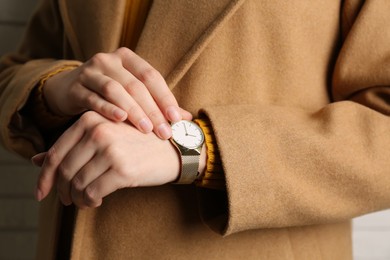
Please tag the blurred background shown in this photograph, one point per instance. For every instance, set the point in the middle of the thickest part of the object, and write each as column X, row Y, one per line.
column 19, row 211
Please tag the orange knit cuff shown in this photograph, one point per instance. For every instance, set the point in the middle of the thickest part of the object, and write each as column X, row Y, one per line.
column 213, row 177
column 43, row 116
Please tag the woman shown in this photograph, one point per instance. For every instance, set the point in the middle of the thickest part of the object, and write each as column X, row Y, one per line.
column 297, row 97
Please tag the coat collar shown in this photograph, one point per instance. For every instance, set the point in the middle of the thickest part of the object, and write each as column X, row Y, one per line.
column 175, row 33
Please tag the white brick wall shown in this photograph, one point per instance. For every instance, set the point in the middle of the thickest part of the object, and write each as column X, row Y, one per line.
column 19, row 212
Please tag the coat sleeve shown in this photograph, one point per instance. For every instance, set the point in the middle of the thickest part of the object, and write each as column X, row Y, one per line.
column 39, row 53
column 291, row 167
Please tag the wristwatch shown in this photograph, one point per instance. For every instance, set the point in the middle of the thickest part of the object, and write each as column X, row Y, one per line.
column 188, row 139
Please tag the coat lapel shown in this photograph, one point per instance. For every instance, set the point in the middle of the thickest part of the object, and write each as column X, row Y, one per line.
column 175, row 33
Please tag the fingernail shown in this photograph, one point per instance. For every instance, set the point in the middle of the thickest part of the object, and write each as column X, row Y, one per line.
column 164, row 131
column 120, row 114
column 65, row 202
column 38, row 194
column 173, row 114
column 145, row 125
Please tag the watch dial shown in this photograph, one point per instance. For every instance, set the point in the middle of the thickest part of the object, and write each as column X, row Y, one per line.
column 187, row 134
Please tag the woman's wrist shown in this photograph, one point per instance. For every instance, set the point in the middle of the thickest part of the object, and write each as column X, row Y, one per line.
column 42, row 115
column 51, row 90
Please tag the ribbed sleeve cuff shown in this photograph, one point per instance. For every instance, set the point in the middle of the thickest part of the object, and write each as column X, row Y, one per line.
column 44, row 118
column 213, row 177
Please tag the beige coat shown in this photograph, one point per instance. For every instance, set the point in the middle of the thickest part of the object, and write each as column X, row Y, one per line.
column 298, row 165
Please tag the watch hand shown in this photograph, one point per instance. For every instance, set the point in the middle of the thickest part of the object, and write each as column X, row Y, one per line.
column 185, row 128
column 191, row 135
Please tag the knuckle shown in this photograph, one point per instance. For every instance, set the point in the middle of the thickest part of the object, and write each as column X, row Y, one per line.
column 133, row 86
column 149, row 75
column 155, row 115
column 128, row 176
column 111, row 153
column 98, row 133
column 77, row 184
column 52, row 156
column 123, row 173
column 91, row 196
column 123, row 51
column 85, row 73
column 167, row 98
column 90, row 100
column 63, row 173
column 88, row 118
column 108, row 88
column 134, row 111
column 107, row 109
column 99, row 59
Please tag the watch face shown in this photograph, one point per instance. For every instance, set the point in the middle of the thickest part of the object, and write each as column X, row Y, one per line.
column 187, row 134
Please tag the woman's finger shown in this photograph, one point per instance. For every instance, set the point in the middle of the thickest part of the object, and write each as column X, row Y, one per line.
column 138, row 91
column 153, row 81
column 38, row 159
column 106, row 184
column 76, row 158
column 58, row 151
column 86, row 175
column 89, row 97
column 185, row 114
column 115, row 93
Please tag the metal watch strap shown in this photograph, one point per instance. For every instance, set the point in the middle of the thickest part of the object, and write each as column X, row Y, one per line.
column 189, row 165
column 189, row 169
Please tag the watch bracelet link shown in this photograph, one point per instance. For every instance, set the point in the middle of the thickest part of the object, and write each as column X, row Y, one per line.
column 189, row 169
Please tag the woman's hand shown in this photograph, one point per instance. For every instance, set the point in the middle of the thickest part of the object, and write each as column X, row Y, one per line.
column 97, row 156
column 118, row 85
